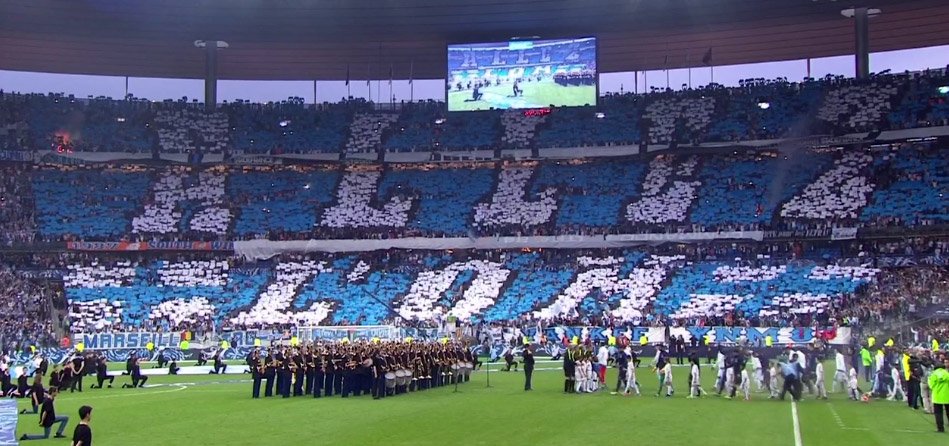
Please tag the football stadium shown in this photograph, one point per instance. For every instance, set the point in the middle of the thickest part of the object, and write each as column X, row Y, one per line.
column 417, row 223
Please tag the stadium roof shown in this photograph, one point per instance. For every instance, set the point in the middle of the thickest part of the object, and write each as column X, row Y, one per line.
column 318, row 39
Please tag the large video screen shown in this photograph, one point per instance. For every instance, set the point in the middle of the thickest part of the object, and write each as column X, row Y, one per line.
column 522, row 74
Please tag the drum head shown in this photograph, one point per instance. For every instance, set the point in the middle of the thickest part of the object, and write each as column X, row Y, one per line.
column 390, row 375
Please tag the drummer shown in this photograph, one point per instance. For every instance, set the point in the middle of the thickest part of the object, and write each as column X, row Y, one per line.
column 379, row 367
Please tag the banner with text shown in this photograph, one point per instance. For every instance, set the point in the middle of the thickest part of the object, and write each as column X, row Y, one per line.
column 150, row 246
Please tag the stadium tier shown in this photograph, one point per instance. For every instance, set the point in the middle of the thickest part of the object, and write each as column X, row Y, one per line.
column 895, row 185
column 419, row 287
column 757, row 110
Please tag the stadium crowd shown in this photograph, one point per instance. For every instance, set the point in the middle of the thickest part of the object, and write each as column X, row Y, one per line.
column 712, row 113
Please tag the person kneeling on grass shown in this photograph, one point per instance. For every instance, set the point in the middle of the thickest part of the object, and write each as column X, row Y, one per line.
column 48, row 418
column 138, row 379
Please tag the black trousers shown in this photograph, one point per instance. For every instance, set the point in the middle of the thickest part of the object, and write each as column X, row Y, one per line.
column 76, row 383
column 317, row 384
column 338, row 383
column 793, row 385
column 103, row 379
column 379, row 387
column 328, row 384
column 268, row 384
column 285, row 377
column 255, row 391
column 528, row 373
column 621, row 379
column 913, row 394
column 348, row 379
column 308, row 382
column 298, row 383
column 941, row 410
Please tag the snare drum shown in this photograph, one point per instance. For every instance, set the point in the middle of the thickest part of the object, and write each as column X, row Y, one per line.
column 390, row 379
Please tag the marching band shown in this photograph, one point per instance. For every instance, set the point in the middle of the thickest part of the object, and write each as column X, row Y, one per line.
column 380, row 369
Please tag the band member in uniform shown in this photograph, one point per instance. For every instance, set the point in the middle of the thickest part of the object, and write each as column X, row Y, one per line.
column 529, row 366
column 378, row 376
column 330, row 372
column 270, row 372
column 318, row 372
column 309, row 371
column 299, row 370
column 285, row 375
column 256, row 371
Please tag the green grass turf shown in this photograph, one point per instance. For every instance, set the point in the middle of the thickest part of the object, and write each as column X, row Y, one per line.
column 203, row 410
column 536, row 94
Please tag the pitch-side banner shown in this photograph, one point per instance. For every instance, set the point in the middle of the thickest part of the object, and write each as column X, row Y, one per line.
column 655, row 335
column 716, row 335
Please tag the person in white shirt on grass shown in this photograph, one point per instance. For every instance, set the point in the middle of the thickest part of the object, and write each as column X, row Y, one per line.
column 593, row 380
column 696, row 389
column 720, row 366
column 581, row 375
column 745, row 384
column 819, row 380
column 631, row 383
column 602, row 358
column 667, row 378
column 729, row 381
column 759, row 372
column 854, row 385
column 806, row 380
column 773, row 384
column 840, row 376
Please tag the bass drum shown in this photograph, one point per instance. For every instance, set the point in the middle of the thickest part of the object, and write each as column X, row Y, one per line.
column 390, row 380
column 401, row 378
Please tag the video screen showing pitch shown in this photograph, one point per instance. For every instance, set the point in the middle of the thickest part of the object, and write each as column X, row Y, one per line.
column 522, row 74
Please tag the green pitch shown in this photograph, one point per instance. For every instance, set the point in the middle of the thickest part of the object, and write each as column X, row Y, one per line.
column 209, row 411
column 536, row 94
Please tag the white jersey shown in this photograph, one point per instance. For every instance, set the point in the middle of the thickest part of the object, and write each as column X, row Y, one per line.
column 853, row 379
column 603, row 355
column 841, row 362
column 819, row 371
column 667, row 370
column 696, row 375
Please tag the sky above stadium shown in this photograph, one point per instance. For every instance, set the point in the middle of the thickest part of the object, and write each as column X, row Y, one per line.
column 422, row 89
